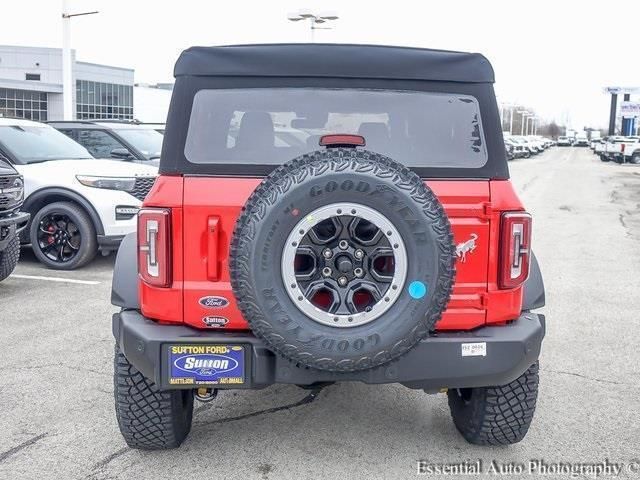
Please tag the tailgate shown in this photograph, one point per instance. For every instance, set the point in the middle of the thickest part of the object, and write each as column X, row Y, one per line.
column 212, row 205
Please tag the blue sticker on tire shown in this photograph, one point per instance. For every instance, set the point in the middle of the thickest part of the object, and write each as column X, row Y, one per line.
column 417, row 290
column 206, row 364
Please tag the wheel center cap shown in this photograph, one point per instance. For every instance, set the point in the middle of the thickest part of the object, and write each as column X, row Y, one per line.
column 344, row 264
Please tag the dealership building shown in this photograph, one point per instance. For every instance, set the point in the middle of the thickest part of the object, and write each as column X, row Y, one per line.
column 31, row 86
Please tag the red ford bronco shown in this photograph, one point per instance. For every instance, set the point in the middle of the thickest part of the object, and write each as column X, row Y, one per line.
column 329, row 213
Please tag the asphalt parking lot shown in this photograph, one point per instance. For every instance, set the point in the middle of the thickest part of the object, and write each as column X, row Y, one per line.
column 56, row 404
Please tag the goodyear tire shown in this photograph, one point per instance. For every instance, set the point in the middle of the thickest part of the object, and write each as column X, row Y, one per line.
column 9, row 258
column 149, row 418
column 496, row 415
column 379, row 209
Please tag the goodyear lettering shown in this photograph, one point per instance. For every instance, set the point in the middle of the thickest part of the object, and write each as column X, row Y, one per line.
column 345, row 186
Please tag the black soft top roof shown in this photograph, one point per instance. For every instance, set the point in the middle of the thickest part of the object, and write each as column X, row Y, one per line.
column 336, row 61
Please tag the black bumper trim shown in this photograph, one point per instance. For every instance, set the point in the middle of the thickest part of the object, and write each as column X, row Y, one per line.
column 435, row 363
column 109, row 242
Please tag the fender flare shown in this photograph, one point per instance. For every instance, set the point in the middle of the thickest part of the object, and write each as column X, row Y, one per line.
column 533, row 295
column 125, row 285
column 41, row 194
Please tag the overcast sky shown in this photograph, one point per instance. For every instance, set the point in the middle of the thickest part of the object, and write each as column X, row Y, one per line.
column 555, row 56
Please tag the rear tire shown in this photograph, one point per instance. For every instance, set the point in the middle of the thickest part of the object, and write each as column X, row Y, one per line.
column 635, row 159
column 9, row 258
column 496, row 415
column 149, row 418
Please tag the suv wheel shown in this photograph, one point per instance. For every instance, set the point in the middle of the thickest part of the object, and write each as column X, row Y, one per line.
column 149, row 418
column 496, row 415
column 62, row 236
column 635, row 159
column 9, row 258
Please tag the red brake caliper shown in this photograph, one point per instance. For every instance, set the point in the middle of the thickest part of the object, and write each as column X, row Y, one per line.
column 51, row 229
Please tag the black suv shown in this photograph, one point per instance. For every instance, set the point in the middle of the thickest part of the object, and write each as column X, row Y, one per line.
column 115, row 139
column 11, row 220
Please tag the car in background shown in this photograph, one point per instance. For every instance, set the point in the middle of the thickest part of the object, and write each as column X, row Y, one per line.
column 115, row 139
column 538, row 143
column 79, row 205
column 525, row 144
column 581, row 140
column 508, row 150
column 518, row 149
column 564, row 141
column 631, row 150
column 12, row 221
column 614, row 149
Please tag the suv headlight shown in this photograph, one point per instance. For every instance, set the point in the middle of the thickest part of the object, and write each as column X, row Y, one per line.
column 15, row 191
column 126, row 184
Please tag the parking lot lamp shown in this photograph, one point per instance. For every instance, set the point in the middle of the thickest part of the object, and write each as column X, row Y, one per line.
column 314, row 20
column 67, row 68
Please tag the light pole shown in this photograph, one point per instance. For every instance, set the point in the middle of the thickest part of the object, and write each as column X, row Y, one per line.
column 67, row 68
column 314, row 20
column 511, row 108
column 524, row 114
column 511, row 120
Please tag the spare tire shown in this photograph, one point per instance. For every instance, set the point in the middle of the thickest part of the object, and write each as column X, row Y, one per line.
column 342, row 260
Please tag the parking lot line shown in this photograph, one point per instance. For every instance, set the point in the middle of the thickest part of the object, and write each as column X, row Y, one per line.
column 56, row 279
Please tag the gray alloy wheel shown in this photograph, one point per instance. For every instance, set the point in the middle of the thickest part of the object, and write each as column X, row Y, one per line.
column 344, row 264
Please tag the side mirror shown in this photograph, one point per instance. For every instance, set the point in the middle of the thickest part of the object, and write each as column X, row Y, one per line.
column 121, row 153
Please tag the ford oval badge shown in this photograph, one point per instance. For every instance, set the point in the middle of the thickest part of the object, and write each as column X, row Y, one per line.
column 213, row 302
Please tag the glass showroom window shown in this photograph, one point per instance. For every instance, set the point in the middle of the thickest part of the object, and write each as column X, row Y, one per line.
column 23, row 104
column 97, row 100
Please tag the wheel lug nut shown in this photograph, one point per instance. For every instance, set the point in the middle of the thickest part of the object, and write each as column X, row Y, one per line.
column 326, row 271
column 358, row 272
column 342, row 281
column 327, row 253
column 358, row 254
column 343, row 245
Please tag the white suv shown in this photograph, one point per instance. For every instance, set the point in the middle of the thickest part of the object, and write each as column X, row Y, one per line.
column 78, row 204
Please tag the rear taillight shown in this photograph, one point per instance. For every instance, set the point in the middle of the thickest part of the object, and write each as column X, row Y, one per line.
column 622, row 147
column 154, row 246
column 515, row 249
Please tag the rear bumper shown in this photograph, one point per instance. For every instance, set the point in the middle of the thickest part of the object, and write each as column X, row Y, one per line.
column 437, row 362
column 11, row 225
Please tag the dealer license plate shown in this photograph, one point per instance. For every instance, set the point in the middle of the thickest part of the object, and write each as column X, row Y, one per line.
column 206, row 364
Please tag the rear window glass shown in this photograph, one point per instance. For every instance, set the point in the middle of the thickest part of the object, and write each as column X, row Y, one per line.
column 273, row 125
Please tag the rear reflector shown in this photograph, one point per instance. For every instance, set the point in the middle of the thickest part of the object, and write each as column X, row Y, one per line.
column 515, row 249
column 342, row 140
column 154, row 246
